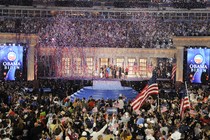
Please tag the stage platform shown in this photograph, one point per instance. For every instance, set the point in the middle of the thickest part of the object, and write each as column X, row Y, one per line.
column 105, row 89
column 107, row 85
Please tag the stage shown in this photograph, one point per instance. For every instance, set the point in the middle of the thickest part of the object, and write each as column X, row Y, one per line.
column 105, row 89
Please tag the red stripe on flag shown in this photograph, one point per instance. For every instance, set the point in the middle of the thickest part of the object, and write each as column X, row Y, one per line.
column 173, row 71
column 164, row 109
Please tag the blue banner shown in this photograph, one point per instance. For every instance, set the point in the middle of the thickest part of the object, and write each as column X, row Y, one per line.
column 11, row 60
column 198, row 64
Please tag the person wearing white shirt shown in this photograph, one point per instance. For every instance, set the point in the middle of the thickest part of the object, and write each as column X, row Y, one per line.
column 96, row 133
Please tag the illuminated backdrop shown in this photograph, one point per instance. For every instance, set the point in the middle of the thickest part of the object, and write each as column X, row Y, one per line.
column 12, row 61
column 198, row 64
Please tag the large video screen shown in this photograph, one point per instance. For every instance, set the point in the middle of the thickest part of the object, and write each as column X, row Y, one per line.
column 12, row 62
column 198, row 60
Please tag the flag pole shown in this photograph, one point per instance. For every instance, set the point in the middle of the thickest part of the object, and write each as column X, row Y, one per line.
column 158, row 103
column 186, row 90
column 158, row 96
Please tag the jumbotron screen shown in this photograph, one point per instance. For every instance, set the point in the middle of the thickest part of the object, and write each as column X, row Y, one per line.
column 12, row 62
column 198, row 60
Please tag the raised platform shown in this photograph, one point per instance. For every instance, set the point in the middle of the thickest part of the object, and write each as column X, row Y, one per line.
column 105, row 89
column 107, row 85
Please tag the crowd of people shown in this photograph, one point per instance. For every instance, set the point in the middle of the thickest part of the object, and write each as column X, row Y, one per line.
column 50, row 116
column 28, row 112
column 137, row 32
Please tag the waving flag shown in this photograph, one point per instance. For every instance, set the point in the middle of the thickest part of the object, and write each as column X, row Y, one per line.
column 150, row 89
column 173, row 72
column 185, row 103
column 163, row 109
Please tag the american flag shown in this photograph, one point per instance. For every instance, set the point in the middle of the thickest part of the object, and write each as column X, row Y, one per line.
column 185, row 104
column 150, row 89
column 173, row 72
column 164, row 109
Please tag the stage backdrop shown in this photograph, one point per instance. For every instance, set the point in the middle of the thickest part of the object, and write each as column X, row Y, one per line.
column 197, row 66
column 12, row 61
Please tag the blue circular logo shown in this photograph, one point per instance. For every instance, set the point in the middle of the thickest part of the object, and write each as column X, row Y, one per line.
column 198, row 59
column 11, row 56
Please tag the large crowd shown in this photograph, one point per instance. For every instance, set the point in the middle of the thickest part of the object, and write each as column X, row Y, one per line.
column 28, row 112
column 137, row 32
column 52, row 115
